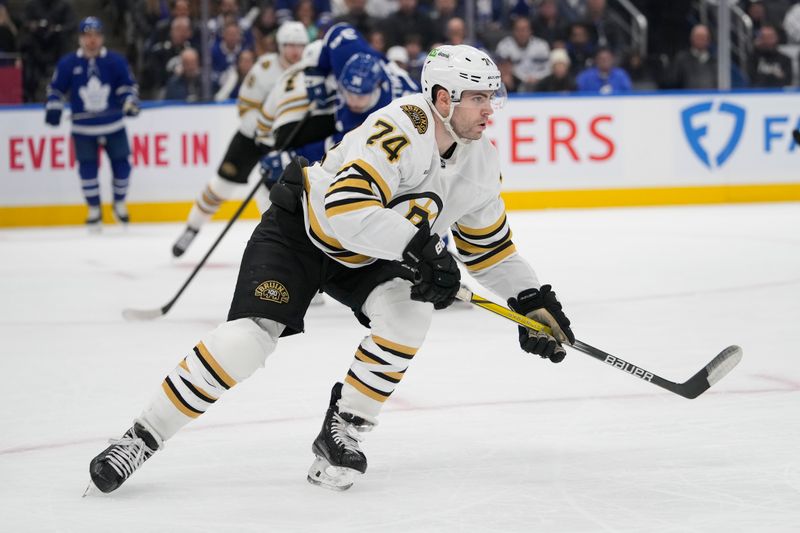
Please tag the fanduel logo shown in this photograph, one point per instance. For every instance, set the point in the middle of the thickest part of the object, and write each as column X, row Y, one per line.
column 696, row 128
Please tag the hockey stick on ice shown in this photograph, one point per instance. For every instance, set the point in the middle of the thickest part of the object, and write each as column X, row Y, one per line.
column 691, row 388
column 150, row 314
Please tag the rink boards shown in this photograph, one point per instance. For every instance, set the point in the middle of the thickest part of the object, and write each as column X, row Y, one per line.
column 578, row 151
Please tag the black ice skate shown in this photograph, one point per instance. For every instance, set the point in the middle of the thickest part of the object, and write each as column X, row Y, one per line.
column 339, row 459
column 116, row 463
column 184, row 241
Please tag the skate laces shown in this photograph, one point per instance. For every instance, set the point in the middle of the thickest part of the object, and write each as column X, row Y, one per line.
column 127, row 454
column 345, row 433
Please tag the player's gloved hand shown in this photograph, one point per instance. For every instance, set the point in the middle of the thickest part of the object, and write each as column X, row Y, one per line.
column 272, row 166
column 53, row 116
column 316, row 88
column 131, row 107
column 437, row 278
column 542, row 306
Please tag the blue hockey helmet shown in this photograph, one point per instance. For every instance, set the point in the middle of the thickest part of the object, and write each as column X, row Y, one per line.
column 361, row 74
column 91, row 24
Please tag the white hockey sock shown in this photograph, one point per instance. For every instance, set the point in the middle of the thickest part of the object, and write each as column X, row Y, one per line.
column 378, row 367
column 226, row 356
column 208, row 203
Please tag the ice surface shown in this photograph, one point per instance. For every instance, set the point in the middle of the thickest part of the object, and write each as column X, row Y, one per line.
column 478, row 437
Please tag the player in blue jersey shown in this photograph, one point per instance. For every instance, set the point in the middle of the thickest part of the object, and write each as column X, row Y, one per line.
column 101, row 90
column 361, row 80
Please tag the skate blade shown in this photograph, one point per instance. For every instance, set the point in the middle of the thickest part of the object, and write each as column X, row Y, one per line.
column 325, row 475
column 90, row 490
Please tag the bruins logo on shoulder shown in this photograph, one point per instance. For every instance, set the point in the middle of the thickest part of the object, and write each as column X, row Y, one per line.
column 417, row 116
column 272, row 291
column 265, row 64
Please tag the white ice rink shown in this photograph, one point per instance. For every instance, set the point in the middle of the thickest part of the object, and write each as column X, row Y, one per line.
column 478, row 437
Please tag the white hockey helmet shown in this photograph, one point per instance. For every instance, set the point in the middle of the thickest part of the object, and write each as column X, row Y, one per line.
column 460, row 68
column 291, row 32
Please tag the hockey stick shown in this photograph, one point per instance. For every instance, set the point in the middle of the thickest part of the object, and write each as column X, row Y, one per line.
column 714, row 371
column 150, row 314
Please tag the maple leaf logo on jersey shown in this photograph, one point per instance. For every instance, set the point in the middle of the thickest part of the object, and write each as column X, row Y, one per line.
column 95, row 95
column 417, row 116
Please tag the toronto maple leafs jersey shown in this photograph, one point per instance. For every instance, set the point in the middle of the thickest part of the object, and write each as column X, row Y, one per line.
column 255, row 89
column 341, row 42
column 97, row 89
column 364, row 200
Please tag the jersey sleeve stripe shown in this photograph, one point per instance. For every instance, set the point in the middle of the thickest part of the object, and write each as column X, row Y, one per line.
column 243, row 101
column 482, row 233
column 469, row 247
column 492, row 258
column 286, row 111
column 369, row 172
column 336, row 250
column 347, row 206
column 358, row 189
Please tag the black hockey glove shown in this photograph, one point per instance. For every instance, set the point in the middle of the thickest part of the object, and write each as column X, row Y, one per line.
column 542, row 306
column 437, row 278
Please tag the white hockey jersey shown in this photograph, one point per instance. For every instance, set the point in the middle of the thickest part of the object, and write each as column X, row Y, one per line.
column 363, row 200
column 255, row 89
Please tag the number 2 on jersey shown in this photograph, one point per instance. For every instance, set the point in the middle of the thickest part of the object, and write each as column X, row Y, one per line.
column 392, row 145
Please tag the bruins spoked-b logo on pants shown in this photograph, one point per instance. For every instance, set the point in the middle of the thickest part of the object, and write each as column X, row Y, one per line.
column 272, row 291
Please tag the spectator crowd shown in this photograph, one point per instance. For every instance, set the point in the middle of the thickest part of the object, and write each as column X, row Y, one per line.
column 539, row 45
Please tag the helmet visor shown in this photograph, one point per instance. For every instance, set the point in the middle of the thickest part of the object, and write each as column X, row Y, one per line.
column 496, row 98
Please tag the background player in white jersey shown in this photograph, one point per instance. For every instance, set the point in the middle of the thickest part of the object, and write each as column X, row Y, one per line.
column 364, row 225
column 243, row 153
column 341, row 74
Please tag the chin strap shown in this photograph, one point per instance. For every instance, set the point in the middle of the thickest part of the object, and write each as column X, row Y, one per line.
column 446, row 121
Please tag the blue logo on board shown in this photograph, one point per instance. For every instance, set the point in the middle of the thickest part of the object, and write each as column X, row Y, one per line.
column 695, row 132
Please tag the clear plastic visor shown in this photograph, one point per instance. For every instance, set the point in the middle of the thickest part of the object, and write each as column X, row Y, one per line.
column 474, row 99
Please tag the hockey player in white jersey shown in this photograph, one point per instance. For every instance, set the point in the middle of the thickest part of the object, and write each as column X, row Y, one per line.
column 365, row 225
column 243, row 153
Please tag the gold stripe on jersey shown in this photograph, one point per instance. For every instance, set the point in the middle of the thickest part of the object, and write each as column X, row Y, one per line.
column 466, row 247
column 369, row 172
column 340, row 207
column 289, row 101
column 491, row 258
column 242, row 101
column 363, row 388
column 482, row 233
column 214, row 368
column 286, row 111
column 177, row 401
column 335, row 248
column 394, row 348
column 352, row 184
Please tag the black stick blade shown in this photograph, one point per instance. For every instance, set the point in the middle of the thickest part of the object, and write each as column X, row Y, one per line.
column 796, row 135
column 714, row 371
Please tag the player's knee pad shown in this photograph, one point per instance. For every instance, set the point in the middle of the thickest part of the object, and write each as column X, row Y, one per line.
column 239, row 347
column 87, row 170
column 121, row 168
column 395, row 316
